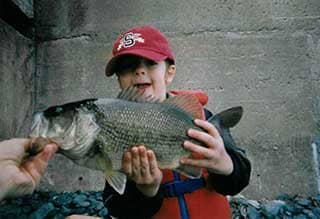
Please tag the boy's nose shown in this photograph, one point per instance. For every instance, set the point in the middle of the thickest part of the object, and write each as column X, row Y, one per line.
column 140, row 70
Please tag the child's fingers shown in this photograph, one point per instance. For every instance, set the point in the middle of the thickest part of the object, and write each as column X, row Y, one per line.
column 210, row 128
column 152, row 162
column 201, row 163
column 144, row 162
column 203, row 137
column 135, row 162
column 127, row 163
column 196, row 148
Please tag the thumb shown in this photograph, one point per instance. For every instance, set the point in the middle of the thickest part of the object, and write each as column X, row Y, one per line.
column 48, row 152
column 37, row 164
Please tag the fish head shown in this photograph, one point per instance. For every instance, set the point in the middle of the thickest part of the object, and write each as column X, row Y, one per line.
column 52, row 122
column 72, row 126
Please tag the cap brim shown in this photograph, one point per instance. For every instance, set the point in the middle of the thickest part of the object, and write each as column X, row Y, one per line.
column 148, row 54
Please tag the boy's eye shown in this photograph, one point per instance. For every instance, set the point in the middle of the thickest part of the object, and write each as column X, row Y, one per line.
column 150, row 62
column 123, row 72
column 129, row 63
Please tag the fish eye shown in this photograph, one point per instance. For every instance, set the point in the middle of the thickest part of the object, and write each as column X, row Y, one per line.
column 59, row 109
column 53, row 111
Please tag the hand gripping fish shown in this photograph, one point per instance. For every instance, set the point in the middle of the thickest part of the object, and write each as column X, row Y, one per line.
column 95, row 133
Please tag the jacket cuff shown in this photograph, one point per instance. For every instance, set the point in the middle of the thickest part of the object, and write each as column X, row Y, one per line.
column 239, row 178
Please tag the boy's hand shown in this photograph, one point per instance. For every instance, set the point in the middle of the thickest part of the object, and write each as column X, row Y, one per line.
column 215, row 157
column 141, row 166
column 18, row 176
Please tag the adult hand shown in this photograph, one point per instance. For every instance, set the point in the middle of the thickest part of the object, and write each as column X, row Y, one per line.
column 19, row 176
column 140, row 165
column 214, row 156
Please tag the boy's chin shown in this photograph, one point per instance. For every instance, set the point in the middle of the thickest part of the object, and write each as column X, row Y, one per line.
column 147, row 93
column 142, row 91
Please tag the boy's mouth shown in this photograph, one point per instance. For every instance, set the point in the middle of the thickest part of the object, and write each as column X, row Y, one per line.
column 142, row 86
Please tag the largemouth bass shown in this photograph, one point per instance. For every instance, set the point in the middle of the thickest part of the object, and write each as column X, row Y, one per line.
column 96, row 132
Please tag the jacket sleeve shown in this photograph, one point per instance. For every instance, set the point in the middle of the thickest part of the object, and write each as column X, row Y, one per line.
column 240, row 176
column 132, row 204
column 237, row 180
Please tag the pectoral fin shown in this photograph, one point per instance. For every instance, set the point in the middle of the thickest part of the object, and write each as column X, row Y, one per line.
column 116, row 179
column 189, row 171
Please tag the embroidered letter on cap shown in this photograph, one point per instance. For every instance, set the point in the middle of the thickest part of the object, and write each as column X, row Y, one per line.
column 129, row 40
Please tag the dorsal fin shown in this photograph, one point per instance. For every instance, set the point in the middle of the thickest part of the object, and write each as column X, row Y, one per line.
column 188, row 103
column 132, row 94
column 202, row 96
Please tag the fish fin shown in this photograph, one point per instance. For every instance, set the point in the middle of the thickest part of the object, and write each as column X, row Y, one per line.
column 189, row 171
column 201, row 96
column 228, row 118
column 116, row 179
column 188, row 103
column 132, row 94
column 40, row 125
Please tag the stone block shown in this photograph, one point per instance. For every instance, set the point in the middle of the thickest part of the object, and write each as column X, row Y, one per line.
column 108, row 19
column 17, row 66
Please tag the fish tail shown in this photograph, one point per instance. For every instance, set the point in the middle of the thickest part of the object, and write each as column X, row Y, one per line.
column 227, row 118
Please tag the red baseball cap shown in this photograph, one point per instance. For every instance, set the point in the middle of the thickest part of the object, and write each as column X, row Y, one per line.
column 144, row 41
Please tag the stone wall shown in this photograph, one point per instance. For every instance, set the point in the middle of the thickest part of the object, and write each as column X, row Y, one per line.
column 17, row 67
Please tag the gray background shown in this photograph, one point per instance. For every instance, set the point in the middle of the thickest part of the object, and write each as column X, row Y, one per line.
column 261, row 54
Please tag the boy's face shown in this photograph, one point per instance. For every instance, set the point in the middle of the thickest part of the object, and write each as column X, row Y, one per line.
column 147, row 76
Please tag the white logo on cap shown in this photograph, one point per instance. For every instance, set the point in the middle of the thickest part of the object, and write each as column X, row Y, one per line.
column 129, row 40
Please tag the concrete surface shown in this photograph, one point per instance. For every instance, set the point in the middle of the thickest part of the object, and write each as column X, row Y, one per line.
column 263, row 55
column 17, row 67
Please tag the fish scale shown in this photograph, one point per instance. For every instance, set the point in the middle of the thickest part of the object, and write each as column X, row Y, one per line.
column 135, row 127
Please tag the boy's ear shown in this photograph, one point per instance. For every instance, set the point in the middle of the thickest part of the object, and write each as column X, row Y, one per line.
column 171, row 71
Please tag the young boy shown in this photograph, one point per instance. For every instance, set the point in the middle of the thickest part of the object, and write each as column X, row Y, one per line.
column 143, row 58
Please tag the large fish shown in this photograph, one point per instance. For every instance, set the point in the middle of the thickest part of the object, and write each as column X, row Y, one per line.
column 96, row 132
